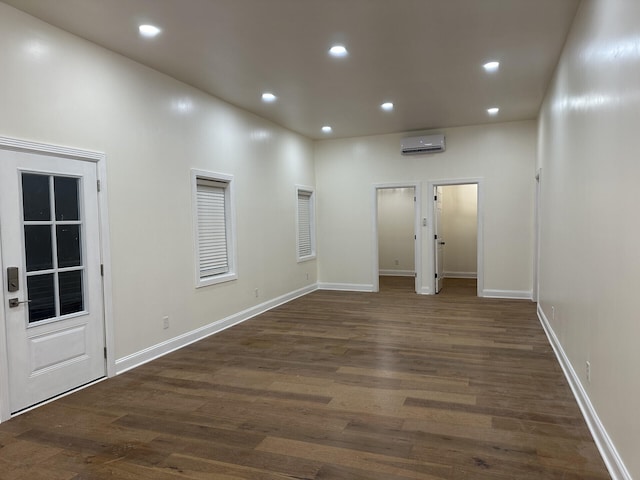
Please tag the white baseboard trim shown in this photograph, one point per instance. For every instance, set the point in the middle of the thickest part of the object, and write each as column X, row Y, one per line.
column 397, row 273
column 516, row 294
column 460, row 274
column 347, row 287
column 607, row 449
column 155, row 351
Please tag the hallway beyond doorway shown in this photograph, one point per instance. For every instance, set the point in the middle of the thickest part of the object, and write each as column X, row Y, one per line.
column 390, row 283
column 459, row 287
column 453, row 287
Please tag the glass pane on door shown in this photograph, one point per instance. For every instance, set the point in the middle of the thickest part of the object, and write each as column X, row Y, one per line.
column 42, row 303
column 68, row 240
column 70, row 292
column 36, row 198
column 37, row 246
column 53, row 245
column 66, row 198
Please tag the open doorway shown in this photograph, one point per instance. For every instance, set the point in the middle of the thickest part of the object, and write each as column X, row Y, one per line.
column 457, row 238
column 396, row 238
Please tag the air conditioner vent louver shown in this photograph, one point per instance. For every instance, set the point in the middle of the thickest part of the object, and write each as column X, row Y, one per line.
column 423, row 144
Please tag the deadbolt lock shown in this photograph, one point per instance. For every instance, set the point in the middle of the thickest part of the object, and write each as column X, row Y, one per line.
column 13, row 282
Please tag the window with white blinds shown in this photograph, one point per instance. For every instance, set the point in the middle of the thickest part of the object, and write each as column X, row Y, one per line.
column 212, row 228
column 306, row 224
column 214, row 232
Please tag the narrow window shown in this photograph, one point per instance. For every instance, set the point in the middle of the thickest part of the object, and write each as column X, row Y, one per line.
column 214, row 228
column 306, row 242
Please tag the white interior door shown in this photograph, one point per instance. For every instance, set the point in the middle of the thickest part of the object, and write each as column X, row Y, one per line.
column 54, row 316
column 438, row 239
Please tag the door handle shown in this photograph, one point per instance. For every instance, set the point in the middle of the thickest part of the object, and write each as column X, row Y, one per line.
column 441, row 243
column 15, row 302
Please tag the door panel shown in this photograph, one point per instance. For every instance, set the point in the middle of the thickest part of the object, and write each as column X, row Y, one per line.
column 58, row 347
column 49, row 231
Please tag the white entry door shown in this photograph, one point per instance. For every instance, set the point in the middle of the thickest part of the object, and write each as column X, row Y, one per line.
column 50, row 239
column 439, row 239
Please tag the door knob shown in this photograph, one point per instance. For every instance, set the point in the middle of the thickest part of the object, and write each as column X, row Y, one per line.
column 15, row 302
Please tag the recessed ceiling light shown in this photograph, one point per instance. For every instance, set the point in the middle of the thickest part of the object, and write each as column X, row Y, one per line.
column 338, row 51
column 493, row 110
column 268, row 97
column 327, row 129
column 148, row 31
column 492, row 66
column 387, row 106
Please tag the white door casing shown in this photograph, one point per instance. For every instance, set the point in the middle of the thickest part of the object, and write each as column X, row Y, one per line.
column 416, row 228
column 439, row 238
column 55, row 343
column 536, row 237
column 431, row 187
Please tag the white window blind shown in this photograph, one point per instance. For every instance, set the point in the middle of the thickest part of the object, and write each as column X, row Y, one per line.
column 305, row 246
column 213, row 253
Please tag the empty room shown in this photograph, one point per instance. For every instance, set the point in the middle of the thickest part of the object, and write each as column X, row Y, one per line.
column 305, row 239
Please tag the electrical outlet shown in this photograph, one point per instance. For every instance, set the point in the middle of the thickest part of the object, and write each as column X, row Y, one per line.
column 588, row 372
column 553, row 313
column 397, row 262
column 165, row 322
column 307, row 276
column 256, row 293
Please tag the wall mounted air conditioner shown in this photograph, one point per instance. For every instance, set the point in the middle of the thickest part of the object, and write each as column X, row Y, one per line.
column 424, row 144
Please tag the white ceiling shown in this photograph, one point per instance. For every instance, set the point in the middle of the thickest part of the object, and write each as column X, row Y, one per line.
column 425, row 56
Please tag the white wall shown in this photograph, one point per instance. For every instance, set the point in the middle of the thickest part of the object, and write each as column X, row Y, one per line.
column 502, row 154
column 396, row 252
column 59, row 89
column 459, row 222
column 589, row 149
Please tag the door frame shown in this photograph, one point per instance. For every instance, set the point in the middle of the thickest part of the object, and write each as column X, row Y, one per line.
column 431, row 287
column 417, row 256
column 536, row 237
column 438, row 244
column 7, row 143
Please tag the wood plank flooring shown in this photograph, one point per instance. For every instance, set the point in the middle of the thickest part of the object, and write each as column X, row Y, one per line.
column 334, row 385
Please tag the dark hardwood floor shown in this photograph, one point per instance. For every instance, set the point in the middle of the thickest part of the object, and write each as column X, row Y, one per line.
column 334, row 385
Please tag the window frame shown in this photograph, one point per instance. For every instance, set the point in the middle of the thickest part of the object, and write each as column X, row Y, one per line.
column 310, row 191
column 230, row 227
